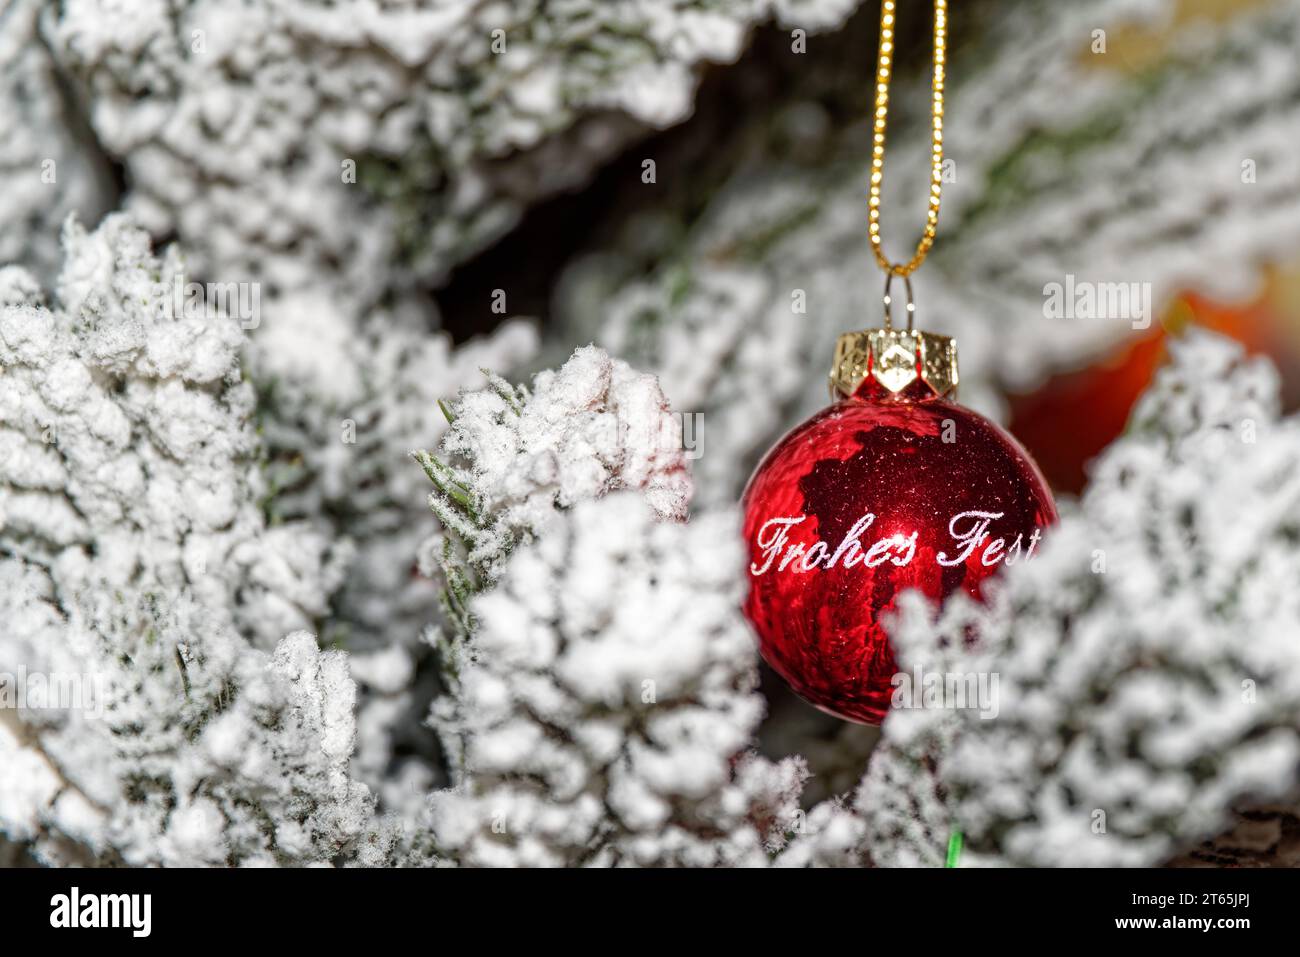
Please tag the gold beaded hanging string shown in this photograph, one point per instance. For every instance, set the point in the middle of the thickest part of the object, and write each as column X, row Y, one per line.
column 895, row 358
column 884, row 70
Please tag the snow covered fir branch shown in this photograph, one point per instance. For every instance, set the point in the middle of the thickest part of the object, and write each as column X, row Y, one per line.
column 603, row 705
column 1149, row 681
column 211, row 728
column 330, row 563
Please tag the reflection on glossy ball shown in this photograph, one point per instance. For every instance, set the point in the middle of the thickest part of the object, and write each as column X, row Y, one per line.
column 868, row 498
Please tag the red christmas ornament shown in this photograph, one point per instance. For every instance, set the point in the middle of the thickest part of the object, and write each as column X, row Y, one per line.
column 891, row 487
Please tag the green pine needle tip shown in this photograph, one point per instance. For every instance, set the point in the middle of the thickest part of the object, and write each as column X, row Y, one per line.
column 954, row 848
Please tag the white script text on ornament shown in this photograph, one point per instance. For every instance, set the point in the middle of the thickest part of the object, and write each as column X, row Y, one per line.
column 969, row 531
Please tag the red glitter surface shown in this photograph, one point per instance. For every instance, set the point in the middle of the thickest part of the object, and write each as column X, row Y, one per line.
column 822, row 628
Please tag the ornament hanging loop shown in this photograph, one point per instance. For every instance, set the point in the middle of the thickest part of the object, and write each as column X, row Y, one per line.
column 888, row 300
column 894, row 358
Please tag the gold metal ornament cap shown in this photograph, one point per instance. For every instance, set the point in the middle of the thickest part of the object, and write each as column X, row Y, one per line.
column 895, row 358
